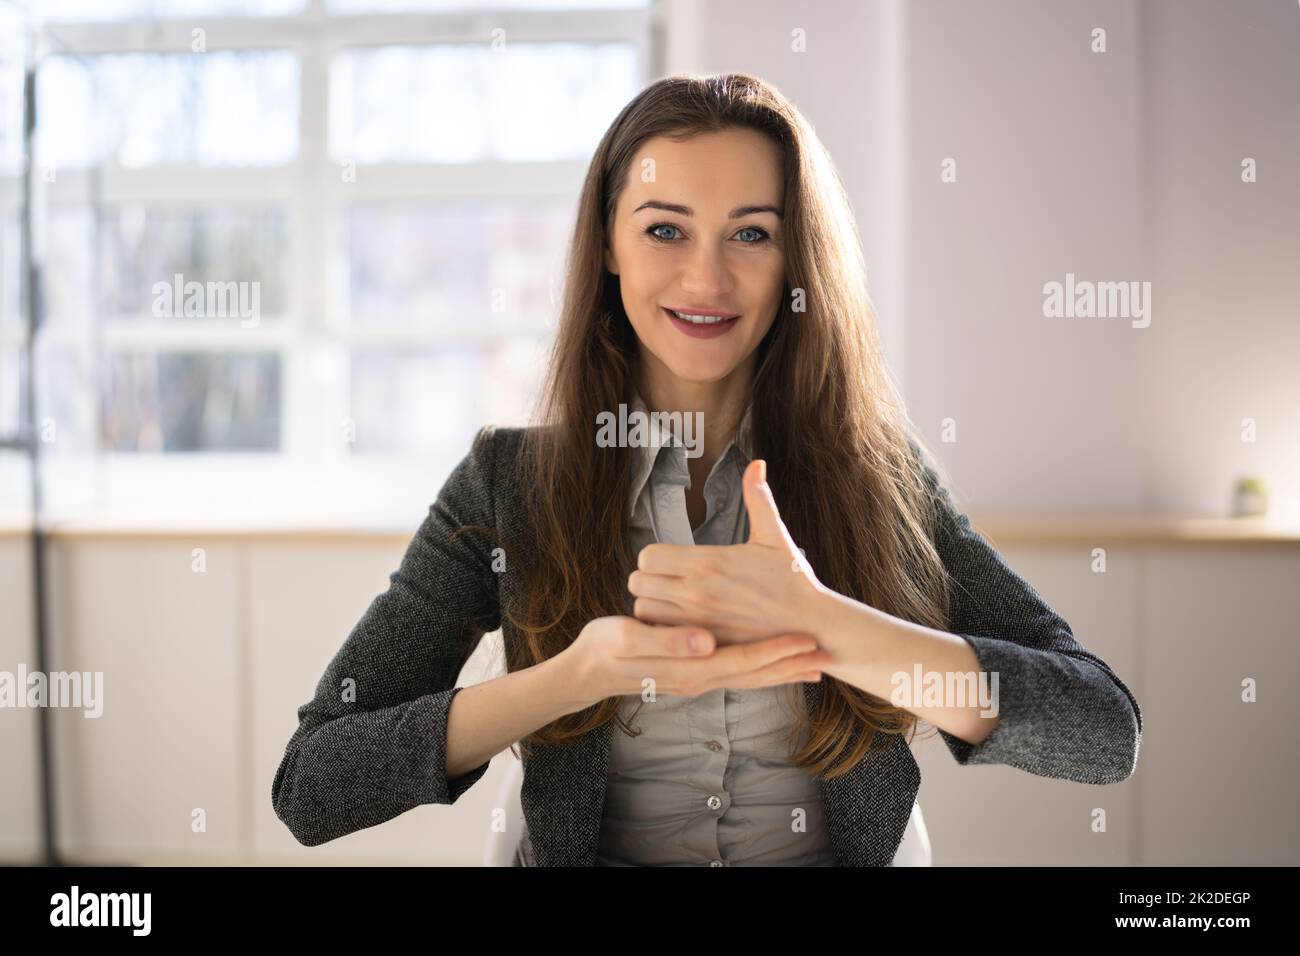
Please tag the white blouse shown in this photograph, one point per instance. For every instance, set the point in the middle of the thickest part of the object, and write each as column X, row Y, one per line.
column 706, row 780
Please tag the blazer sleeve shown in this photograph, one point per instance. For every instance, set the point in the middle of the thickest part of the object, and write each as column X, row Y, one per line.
column 360, row 759
column 1062, row 711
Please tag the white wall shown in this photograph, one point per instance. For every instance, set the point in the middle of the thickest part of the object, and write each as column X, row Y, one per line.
column 1224, row 84
column 1115, row 166
column 849, row 83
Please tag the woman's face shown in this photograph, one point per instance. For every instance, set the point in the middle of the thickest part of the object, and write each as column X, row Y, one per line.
column 698, row 229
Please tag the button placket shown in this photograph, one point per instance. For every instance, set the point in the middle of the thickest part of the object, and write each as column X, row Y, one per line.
column 668, row 481
column 708, row 726
column 710, row 764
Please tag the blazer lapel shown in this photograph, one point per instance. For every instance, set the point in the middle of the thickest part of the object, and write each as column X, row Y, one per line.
column 867, row 809
column 563, row 798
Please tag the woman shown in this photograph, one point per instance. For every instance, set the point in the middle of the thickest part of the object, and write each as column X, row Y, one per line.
column 690, row 686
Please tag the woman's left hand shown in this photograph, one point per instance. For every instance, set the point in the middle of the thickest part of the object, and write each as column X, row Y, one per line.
column 741, row 592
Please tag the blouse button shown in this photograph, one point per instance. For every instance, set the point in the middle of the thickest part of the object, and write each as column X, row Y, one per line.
column 714, row 802
column 715, row 863
column 714, row 746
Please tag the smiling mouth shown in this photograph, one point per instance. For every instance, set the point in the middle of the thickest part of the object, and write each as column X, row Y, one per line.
column 701, row 318
column 701, row 325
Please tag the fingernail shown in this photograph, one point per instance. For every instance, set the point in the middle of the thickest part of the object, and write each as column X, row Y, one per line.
column 694, row 642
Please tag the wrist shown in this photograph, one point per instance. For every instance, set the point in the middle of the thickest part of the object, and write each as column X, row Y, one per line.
column 842, row 625
column 569, row 681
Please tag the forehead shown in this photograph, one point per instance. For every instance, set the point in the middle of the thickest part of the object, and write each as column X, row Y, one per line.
column 707, row 170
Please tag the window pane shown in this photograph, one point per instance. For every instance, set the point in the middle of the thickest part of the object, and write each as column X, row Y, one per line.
column 408, row 6
column 192, row 402
column 429, row 403
column 166, row 9
column 65, row 399
column 439, row 266
column 515, row 374
column 11, row 385
column 464, row 103
column 11, row 92
column 417, row 402
column 15, row 488
column 10, row 273
column 238, row 255
column 146, row 109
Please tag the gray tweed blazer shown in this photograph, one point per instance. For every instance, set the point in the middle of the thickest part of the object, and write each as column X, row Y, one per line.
column 355, row 764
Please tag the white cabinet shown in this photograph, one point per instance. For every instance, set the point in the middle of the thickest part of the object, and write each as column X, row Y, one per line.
column 204, row 671
column 19, row 794
column 997, row 815
column 303, row 602
column 1220, row 776
column 160, row 621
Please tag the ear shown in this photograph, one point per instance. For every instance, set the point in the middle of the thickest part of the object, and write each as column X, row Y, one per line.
column 610, row 263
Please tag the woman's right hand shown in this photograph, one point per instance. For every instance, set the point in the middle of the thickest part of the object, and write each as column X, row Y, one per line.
column 615, row 655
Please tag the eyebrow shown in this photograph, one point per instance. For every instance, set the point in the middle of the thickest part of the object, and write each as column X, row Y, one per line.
column 736, row 213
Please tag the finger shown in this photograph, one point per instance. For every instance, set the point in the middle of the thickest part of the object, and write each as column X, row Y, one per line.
column 793, row 664
column 661, row 586
column 641, row 640
column 765, row 524
column 787, row 671
column 783, row 671
column 733, row 659
column 677, row 560
column 659, row 612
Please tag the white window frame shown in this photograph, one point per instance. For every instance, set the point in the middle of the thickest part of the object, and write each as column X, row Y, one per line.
column 312, row 337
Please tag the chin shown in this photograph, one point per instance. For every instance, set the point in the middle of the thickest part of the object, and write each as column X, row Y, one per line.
column 697, row 369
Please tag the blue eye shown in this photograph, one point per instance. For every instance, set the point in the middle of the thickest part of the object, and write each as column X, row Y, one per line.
column 762, row 235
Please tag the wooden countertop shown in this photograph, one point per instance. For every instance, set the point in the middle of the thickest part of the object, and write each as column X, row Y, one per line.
column 1002, row 529
column 1099, row 529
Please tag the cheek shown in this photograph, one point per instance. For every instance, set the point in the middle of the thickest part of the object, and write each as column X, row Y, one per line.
column 646, row 282
column 771, row 286
column 639, row 274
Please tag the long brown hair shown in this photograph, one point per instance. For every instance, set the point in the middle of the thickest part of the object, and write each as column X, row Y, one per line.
column 826, row 418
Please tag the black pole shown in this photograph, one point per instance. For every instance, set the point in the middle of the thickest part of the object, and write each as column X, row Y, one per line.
column 30, row 440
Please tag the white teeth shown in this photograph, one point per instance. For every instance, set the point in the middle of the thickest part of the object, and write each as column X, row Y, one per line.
column 700, row 319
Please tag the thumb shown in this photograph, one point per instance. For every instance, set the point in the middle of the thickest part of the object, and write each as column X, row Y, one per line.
column 765, row 524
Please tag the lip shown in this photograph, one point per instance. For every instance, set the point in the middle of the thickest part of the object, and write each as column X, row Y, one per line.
column 701, row 331
column 694, row 311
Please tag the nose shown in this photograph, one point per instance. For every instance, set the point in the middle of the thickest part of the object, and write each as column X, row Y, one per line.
column 706, row 275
